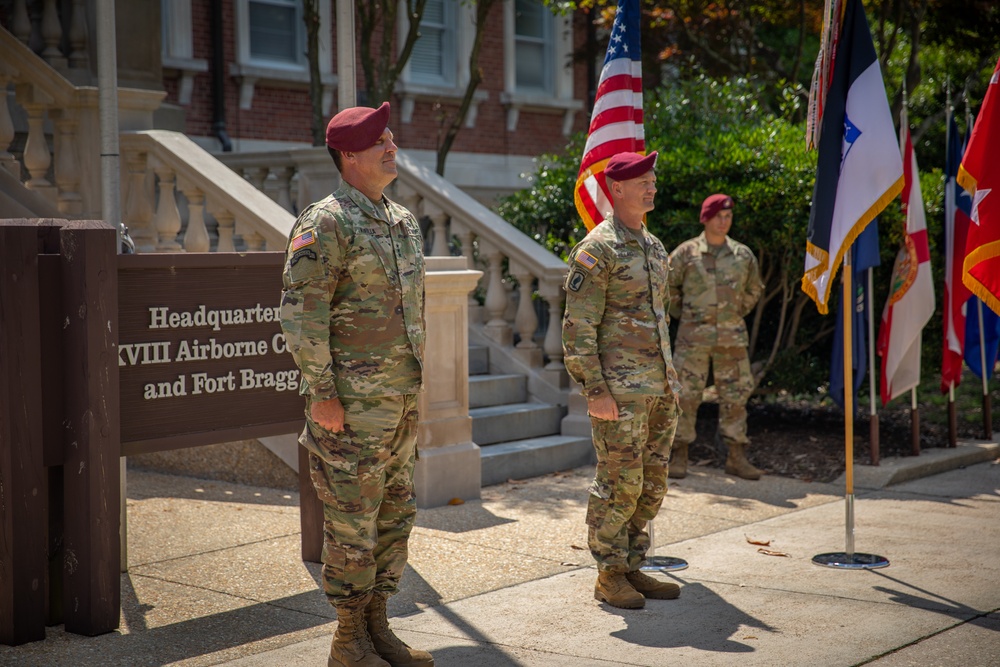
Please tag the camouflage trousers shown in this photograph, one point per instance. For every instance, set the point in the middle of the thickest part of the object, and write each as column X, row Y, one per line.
column 631, row 479
column 365, row 480
column 733, row 382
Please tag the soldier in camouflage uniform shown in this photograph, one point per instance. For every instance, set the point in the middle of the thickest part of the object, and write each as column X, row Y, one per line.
column 352, row 312
column 714, row 284
column 616, row 343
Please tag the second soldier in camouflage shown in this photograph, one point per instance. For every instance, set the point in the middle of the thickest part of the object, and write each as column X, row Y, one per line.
column 616, row 344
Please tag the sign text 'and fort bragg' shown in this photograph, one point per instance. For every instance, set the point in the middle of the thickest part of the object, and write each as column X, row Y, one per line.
column 193, row 350
column 201, row 355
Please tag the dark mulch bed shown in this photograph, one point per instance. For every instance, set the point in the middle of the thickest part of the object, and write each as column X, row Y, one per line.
column 805, row 439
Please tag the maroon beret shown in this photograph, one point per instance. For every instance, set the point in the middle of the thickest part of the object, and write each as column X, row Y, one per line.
column 357, row 128
column 626, row 166
column 713, row 204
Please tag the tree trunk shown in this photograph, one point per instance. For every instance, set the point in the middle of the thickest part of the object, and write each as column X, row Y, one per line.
column 310, row 14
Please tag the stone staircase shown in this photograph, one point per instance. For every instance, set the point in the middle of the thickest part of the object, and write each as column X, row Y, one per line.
column 518, row 438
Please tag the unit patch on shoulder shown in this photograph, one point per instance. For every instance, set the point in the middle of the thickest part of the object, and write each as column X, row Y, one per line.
column 576, row 279
column 303, row 239
column 585, row 258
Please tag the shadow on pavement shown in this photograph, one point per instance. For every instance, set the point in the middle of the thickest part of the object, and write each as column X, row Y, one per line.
column 702, row 609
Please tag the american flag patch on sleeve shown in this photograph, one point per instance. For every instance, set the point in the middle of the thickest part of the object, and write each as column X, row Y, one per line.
column 303, row 240
column 586, row 259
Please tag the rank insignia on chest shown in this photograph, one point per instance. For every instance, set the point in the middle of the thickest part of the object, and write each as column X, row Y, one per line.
column 304, row 239
column 585, row 258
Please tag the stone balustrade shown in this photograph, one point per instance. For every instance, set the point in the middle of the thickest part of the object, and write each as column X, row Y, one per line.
column 60, row 154
column 242, row 216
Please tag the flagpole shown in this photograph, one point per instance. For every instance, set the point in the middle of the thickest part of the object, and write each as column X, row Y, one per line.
column 952, row 415
column 849, row 401
column 914, row 424
column 848, row 559
column 987, row 412
column 873, row 411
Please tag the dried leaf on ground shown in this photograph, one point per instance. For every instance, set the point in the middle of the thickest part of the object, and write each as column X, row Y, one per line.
column 578, row 548
column 569, row 563
column 456, row 501
column 760, row 543
column 772, row 552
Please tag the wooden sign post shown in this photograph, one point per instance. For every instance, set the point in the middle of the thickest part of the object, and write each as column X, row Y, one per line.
column 105, row 355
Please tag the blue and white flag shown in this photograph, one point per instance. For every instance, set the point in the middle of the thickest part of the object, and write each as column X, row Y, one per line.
column 859, row 168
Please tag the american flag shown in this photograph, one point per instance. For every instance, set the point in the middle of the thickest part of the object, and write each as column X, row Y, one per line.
column 616, row 122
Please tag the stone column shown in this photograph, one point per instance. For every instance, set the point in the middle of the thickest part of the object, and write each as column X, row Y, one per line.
column 449, row 465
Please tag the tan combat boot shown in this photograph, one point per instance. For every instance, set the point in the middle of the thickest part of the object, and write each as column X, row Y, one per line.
column 352, row 646
column 679, row 461
column 737, row 464
column 653, row 588
column 388, row 645
column 614, row 588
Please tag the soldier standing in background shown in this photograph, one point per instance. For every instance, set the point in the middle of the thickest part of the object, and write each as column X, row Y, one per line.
column 617, row 346
column 714, row 284
column 352, row 311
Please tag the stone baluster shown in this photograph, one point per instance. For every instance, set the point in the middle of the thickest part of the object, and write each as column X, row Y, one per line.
column 525, row 318
column 35, row 40
column 283, row 194
column 196, row 235
column 21, row 22
column 7, row 160
column 256, row 176
column 139, row 204
column 465, row 238
column 37, row 157
column 439, row 219
column 52, row 34
column 255, row 242
column 168, row 217
column 496, row 327
column 227, row 229
column 67, row 167
column 554, row 296
column 78, row 36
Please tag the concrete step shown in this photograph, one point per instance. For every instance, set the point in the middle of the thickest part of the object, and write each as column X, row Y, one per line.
column 485, row 390
column 516, row 421
column 533, row 457
column 479, row 359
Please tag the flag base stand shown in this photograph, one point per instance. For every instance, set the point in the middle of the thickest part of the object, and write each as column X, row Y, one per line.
column 848, row 561
column 664, row 564
column 661, row 563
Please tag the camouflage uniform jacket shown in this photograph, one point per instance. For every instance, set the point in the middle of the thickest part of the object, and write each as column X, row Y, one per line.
column 352, row 308
column 712, row 294
column 615, row 331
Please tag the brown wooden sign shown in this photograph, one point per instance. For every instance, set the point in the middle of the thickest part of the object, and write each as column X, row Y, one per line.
column 201, row 356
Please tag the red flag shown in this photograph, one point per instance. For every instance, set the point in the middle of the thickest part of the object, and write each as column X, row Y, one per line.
column 980, row 175
column 911, row 296
column 616, row 122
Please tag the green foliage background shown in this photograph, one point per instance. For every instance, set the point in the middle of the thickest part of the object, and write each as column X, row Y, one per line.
column 713, row 136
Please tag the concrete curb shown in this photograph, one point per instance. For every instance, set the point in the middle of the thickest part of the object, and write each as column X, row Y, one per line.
column 897, row 469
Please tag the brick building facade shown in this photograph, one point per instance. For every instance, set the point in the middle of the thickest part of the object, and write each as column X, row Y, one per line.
column 266, row 104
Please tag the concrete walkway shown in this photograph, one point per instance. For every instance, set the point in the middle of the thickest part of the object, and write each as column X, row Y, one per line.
column 215, row 576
